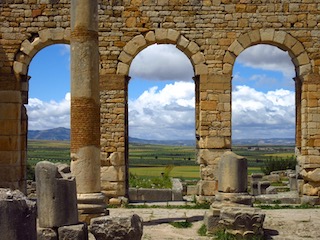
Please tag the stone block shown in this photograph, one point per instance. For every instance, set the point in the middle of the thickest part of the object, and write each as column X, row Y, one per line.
column 262, row 186
column 293, row 182
column 192, row 190
column 207, row 188
column 117, row 228
column 133, row 194
column 232, row 173
column 209, row 156
column 73, row 232
column 46, row 234
column 57, row 196
column 177, row 189
column 154, row 195
column 18, row 216
column 236, row 220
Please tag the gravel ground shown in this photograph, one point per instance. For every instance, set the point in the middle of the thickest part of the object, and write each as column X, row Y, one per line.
column 286, row 224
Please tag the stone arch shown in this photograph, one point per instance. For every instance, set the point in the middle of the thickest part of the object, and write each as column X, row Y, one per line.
column 280, row 39
column 164, row 36
column 30, row 47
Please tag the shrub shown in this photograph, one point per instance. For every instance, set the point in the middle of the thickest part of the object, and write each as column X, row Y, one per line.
column 30, row 172
column 277, row 164
column 162, row 181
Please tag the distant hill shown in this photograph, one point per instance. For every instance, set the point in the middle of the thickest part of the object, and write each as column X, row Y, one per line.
column 163, row 142
column 264, row 142
column 59, row 134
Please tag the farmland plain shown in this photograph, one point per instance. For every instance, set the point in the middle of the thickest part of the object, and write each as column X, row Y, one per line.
column 151, row 160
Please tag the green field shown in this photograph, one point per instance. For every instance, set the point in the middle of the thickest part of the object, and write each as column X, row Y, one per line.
column 150, row 160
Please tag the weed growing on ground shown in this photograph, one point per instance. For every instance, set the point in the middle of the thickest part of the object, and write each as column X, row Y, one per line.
column 277, row 206
column 184, row 224
column 202, row 231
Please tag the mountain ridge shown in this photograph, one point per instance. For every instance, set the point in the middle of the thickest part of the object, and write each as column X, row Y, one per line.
column 63, row 134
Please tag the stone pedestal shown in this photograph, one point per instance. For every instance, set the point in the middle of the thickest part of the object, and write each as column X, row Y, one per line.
column 56, row 195
column 233, row 174
column 90, row 206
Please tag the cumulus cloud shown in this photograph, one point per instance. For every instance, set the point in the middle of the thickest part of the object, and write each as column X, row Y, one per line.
column 45, row 115
column 267, row 57
column 162, row 62
column 166, row 113
column 263, row 115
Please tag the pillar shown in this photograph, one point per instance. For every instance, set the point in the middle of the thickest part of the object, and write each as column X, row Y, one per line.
column 114, row 135
column 12, row 166
column 85, row 108
column 214, row 128
column 309, row 160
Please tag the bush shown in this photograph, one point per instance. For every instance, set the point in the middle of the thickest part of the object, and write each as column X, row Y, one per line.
column 162, row 181
column 30, row 172
column 277, row 164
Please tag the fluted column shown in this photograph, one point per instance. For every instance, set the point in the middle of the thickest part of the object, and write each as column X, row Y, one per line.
column 85, row 107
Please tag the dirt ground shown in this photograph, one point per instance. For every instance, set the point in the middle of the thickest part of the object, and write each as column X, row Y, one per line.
column 287, row 224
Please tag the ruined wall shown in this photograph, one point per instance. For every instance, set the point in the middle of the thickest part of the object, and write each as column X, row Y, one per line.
column 212, row 33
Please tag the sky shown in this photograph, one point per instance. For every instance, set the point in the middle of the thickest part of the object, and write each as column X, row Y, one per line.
column 162, row 93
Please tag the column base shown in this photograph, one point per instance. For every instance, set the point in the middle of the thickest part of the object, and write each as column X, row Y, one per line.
column 91, row 205
column 232, row 199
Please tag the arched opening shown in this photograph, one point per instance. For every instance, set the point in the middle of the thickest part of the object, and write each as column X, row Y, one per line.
column 48, row 107
column 161, row 115
column 264, row 109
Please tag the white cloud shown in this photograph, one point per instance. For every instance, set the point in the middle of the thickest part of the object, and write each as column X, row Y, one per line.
column 267, row 57
column 162, row 62
column 263, row 115
column 45, row 115
column 166, row 113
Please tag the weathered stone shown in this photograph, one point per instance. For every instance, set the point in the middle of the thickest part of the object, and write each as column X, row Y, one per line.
column 127, row 27
column 232, row 173
column 262, row 187
column 57, row 197
column 18, row 216
column 246, row 222
column 46, row 234
column 73, row 232
column 117, row 228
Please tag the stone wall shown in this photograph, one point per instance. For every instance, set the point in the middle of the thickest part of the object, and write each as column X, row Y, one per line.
column 212, row 33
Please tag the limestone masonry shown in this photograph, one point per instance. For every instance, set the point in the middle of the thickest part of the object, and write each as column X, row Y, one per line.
column 212, row 33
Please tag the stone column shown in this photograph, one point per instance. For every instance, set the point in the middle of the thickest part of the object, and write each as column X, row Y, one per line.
column 85, row 107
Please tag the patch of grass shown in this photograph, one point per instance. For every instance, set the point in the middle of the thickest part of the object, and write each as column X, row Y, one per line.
column 223, row 235
column 191, row 206
column 202, row 231
column 161, row 182
column 184, row 224
column 277, row 206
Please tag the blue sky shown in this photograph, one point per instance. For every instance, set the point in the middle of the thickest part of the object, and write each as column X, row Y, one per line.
column 161, row 93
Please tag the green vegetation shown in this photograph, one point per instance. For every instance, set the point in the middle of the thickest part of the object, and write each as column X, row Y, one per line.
column 43, row 150
column 188, row 206
column 147, row 160
column 184, row 224
column 278, row 205
column 161, row 182
column 202, row 231
column 141, row 155
column 278, row 163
